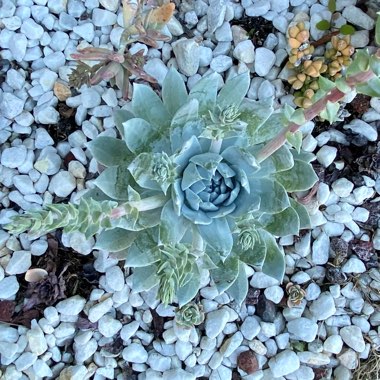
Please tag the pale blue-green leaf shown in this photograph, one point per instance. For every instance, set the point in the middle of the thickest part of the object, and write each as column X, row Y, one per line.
column 241, row 158
column 172, row 227
column 342, row 85
column 284, row 223
column 254, row 256
column 374, row 62
column 120, row 117
column 325, row 84
column 150, row 218
column 274, row 125
column 128, row 221
column 205, row 262
column 295, row 139
column 246, row 201
column 369, row 88
column 142, row 251
column 330, row 112
column 280, row 160
column 298, row 116
column 239, row 289
column 360, row 62
column 189, row 149
column 187, row 292
column 377, row 30
column 174, row 94
column 208, row 160
column 96, row 194
column 114, row 182
column 115, row 240
column 218, row 236
column 109, row 151
column 255, row 114
column 273, row 195
column 141, row 169
column 302, row 214
column 205, row 91
column 302, row 155
column 139, row 135
column 147, row 105
column 234, row 91
column 301, row 177
column 188, row 112
column 274, row 264
column 144, row 278
column 226, row 273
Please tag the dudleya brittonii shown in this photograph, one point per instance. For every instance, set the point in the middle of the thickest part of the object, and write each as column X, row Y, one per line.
column 190, row 195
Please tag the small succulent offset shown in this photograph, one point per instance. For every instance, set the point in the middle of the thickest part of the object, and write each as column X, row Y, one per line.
column 295, row 294
column 117, row 66
column 189, row 315
column 183, row 192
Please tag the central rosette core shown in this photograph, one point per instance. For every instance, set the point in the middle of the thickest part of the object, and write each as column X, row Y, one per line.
column 209, row 184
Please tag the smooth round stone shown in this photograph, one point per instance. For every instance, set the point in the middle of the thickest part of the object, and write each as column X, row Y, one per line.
column 98, row 310
column 353, row 337
column 90, row 98
column 62, row 184
column 284, row 363
column 101, row 17
column 135, row 353
column 354, row 265
column 323, row 307
column 302, row 329
column 19, row 263
column 342, row 187
column 321, row 249
column 84, row 352
column 333, row 344
column 264, row 61
column 158, row 362
column 129, row 330
column 17, row 46
column 326, row 155
column 11, row 106
column 71, row 306
column 24, row 184
column 215, row 322
column 85, row 31
column 25, row 360
column 42, row 138
column 187, row 54
column 47, row 115
column 41, row 369
column 115, row 278
column 109, row 326
column 31, row 29
column 36, row 339
column 274, row 294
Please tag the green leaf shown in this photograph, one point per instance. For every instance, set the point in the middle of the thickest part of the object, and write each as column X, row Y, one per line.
column 144, row 278
column 115, row 240
column 239, row 289
column 174, row 94
column 301, row 177
column 172, row 227
column 302, row 155
column 114, row 182
column 139, row 135
column 330, row 112
column 142, row 251
column 303, row 215
column 331, row 6
column 325, row 84
column 141, row 170
column 342, row 85
column 284, row 223
column 347, row 30
column 295, row 139
column 274, row 264
column 323, row 25
column 205, row 91
column 370, row 88
column 188, row 112
column 147, row 105
column 218, row 236
column 360, row 62
column 109, row 151
column 234, row 90
column 254, row 256
column 374, row 63
column 226, row 273
column 377, row 29
column 274, row 197
column 187, row 292
column 120, row 117
column 272, row 126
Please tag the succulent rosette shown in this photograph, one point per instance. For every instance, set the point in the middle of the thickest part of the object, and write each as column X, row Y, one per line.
column 191, row 196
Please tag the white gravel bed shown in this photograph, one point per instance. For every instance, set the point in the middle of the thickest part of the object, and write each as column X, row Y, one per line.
column 332, row 322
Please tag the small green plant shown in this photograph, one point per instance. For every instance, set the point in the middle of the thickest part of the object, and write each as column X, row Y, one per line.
column 329, row 25
column 117, row 66
column 189, row 315
column 200, row 181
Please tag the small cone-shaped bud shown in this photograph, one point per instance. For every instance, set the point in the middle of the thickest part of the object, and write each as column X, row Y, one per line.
column 334, row 42
column 297, row 85
column 293, row 59
column 329, row 53
column 307, row 103
column 294, row 51
column 303, row 36
column 348, row 51
column 301, row 25
column 335, row 64
column 314, row 85
column 333, row 71
column 301, row 77
column 293, row 43
column 323, row 68
column 317, row 64
column 347, row 38
column 307, row 64
column 309, row 93
column 300, row 54
column 292, row 79
column 312, row 71
column 341, row 44
column 298, row 101
column 293, row 31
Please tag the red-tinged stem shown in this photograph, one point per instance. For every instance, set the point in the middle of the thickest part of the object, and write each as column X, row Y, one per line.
column 333, row 96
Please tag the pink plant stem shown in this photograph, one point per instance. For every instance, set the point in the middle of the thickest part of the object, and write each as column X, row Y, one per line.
column 333, row 96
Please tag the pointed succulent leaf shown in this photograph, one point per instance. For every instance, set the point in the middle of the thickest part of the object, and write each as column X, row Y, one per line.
column 120, row 117
column 295, row 139
column 155, row 113
column 172, row 226
column 274, row 263
column 205, row 91
column 272, row 126
column 141, row 169
column 226, row 273
column 114, row 182
column 301, row 177
column 377, row 29
column 188, row 291
column 360, row 62
column 325, row 84
column 143, row 251
column 369, row 88
column 144, row 278
column 218, row 236
column 284, row 223
column 374, row 62
column 158, row 17
column 342, row 85
column 187, row 112
column 239, row 289
column 109, row 151
column 234, row 91
column 330, row 112
column 302, row 155
column 303, row 215
column 254, row 252
column 174, row 94
column 115, row 240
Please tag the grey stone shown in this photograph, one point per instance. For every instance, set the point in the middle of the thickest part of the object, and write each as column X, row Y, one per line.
column 54, row 61
column 187, row 55
column 102, row 17
column 36, row 339
column 224, row 33
column 284, row 363
column 353, row 337
column 179, row 374
column 157, row 69
column 99, row 309
column 260, row 280
column 42, row 138
column 19, row 262
column 321, row 249
column 48, row 162
column 274, row 293
column 15, row 79
column 326, row 155
column 115, row 278
column 84, row 352
column 71, row 306
column 362, row 128
column 215, row 322
column 62, row 184
column 25, row 360
column 231, row 344
column 17, row 46
column 221, row 63
column 24, row 184
column 159, row 362
column 323, row 307
column 313, row 358
column 11, row 106
column 90, row 98
column 260, row 8
column 264, row 61
column 244, row 51
column 342, row 187
column 41, row 369
column 353, row 265
column 109, row 326
column 59, row 41
column 135, row 353
column 333, row 344
column 357, row 17
column 302, row 329
column 215, row 14
column 85, row 31
column 31, row 29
